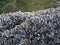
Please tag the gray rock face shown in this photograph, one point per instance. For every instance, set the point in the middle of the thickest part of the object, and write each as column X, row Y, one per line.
column 29, row 28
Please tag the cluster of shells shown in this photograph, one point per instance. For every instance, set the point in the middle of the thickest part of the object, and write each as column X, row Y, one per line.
column 30, row 28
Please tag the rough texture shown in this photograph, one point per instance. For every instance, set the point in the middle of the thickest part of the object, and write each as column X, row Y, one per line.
column 30, row 28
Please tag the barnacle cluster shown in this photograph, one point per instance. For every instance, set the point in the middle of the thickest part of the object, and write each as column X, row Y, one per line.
column 29, row 28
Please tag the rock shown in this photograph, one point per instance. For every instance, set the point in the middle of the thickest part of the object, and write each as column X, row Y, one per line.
column 29, row 28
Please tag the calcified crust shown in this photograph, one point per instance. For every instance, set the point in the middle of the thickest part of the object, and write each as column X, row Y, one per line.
column 30, row 28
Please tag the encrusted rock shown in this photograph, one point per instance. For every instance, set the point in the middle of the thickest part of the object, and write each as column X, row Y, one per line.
column 29, row 28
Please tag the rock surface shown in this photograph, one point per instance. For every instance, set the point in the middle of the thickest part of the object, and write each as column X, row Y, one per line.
column 30, row 28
